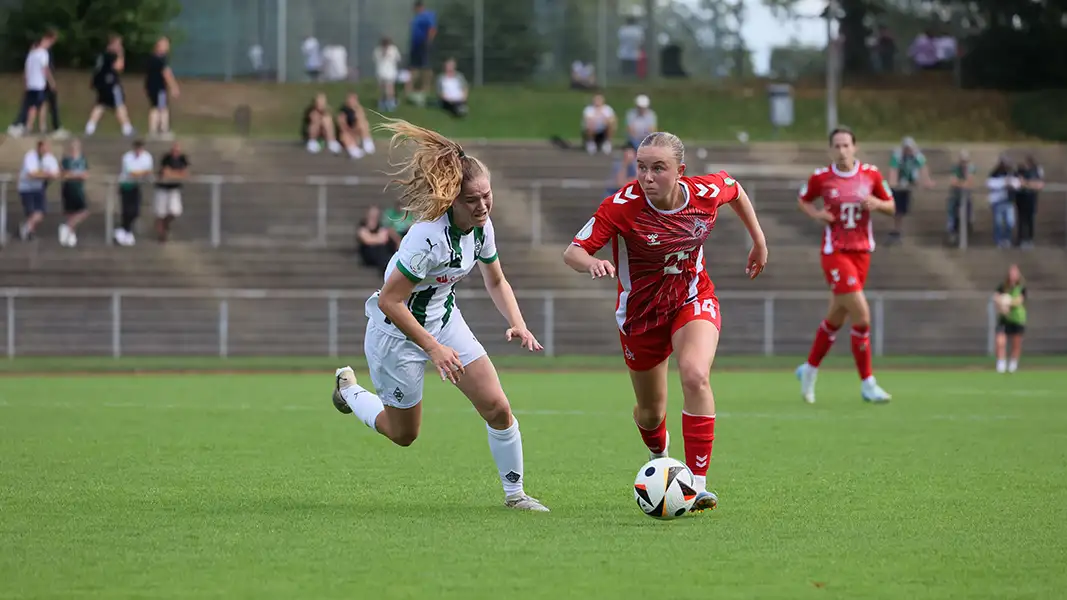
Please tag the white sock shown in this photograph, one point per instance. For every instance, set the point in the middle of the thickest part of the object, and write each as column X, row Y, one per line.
column 365, row 405
column 700, row 482
column 870, row 381
column 1002, row 365
column 90, row 128
column 127, row 130
column 1013, row 366
column 506, row 446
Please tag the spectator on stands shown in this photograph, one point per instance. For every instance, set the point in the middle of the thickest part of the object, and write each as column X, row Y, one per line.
column 40, row 90
column 137, row 167
column 173, row 170
column 598, row 126
column 624, row 170
column 108, row 85
column 312, row 57
column 159, row 83
column 885, row 50
column 1031, row 181
column 907, row 167
column 354, row 127
column 399, row 221
column 75, row 169
column 387, row 69
column 375, row 244
column 640, row 120
column 39, row 166
column 318, row 127
column 583, row 76
column 961, row 184
column 452, row 90
column 631, row 42
column 923, row 51
column 945, row 48
column 423, row 32
column 1002, row 183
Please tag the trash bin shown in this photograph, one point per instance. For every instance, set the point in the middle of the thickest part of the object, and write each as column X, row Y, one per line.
column 781, row 101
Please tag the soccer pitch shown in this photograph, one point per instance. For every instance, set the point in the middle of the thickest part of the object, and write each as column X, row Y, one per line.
column 241, row 486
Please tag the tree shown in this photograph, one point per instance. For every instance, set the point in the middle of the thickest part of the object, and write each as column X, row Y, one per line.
column 512, row 46
column 84, row 26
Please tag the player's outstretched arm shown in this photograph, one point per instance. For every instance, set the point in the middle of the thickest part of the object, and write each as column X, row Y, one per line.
column 757, row 258
column 393, row 303
column 504, row 299
column 578, row 259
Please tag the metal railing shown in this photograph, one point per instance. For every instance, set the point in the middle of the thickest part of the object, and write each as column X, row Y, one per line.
column 131, row 322
column 327, row 210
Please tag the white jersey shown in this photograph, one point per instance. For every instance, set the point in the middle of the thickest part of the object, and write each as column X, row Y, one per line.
column 435, row 256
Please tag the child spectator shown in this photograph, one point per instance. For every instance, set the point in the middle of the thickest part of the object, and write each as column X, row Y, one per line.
column 75, row 169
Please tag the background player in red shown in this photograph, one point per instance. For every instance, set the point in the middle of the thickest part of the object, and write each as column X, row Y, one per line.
column 657, row 226
column 850, row 192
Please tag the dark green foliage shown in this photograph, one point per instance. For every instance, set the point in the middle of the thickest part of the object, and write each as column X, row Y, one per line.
column 83, row 27
column 512, row 43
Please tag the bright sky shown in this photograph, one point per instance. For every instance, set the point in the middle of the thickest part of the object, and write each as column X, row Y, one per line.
column 762, row 31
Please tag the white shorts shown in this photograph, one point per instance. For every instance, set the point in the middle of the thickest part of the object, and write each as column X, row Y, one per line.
column 398, row 365
column 168, row 203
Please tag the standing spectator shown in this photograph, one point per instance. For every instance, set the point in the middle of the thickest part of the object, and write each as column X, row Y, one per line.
column 623, row 171
column 886, row 49
column 39, row 167
column 137, row 167
column 109, row 94
column 1031, row 181
column 159, row 83
column 907, row 167
column 631, row 40
column 173, row 170
column 1010, row 301
column 387, row 68
column 255, row 57
column 598, row 126
column 923, row 51
column 353, row 128
column 945, row 48
column 961, row 184
column 452, row 90
column 318, row 126
column 423, row 32
column 583, row 76
column 640, row 120
column 39, row 81
column 1002, row 184
column 375, row 245
column 312, row 57
column 75, row 169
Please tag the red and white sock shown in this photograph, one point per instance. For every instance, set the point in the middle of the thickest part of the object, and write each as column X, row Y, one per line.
column 824, row 340
column 655, row 439
column 861, row 350
column 698, row 433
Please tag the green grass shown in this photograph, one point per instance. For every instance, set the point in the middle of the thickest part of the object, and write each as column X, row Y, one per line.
column 246, row 486
column 694, row 110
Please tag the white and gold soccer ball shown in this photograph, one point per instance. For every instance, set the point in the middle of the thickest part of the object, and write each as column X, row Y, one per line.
column 1003, row 303
column 664, row 488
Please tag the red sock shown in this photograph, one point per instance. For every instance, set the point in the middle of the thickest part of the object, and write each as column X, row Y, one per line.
column 699, row 433
column 824, row 339
column 655, row 439
column 861, row 350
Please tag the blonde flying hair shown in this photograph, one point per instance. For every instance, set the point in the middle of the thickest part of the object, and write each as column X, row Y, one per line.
column 432, row 177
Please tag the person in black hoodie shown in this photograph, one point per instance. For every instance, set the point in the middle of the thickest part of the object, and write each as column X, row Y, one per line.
column 1031, row 180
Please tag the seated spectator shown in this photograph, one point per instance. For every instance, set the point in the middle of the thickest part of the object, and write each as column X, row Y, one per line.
column 74, row 169
column 583, row 76
column 623, row 171
column 318, row 127
column 961, row 184
column 387, row 69
column 39, row 166
column 173, row 169
column 1002, row 184
column 640, row 120
column 375, row 245
column 598, row 126
column 945, row 50
column 399, row 222
column 452, row 90
column 354, row 128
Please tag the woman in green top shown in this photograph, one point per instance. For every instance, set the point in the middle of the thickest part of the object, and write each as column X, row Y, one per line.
column 1011, row 323
column 75, row 208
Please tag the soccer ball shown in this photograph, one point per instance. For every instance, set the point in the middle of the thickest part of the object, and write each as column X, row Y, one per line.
column 664, row 488
column 1003, row 303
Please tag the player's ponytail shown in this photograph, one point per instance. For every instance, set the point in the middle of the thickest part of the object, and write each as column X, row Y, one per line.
column 433, row 176
column 663, row 139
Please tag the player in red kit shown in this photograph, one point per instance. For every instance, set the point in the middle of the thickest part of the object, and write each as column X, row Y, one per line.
column 850, row 191
column 657, row 226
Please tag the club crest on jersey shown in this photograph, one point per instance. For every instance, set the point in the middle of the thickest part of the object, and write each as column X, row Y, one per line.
column 477, row 247
column 834, row 193
column 700, row 228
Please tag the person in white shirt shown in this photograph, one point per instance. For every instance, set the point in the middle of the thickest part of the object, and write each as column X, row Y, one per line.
column 312, row 57
column 640, row 120
column 598, row 126
column 452, row 90
column 38, row 167
column 583, row 76
column 39, row 81
column 137, row 167
column 387, row 69
column 631, row 38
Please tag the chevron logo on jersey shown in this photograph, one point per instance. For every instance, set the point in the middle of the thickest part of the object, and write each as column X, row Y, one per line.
column 629, row 195
column 705, row 191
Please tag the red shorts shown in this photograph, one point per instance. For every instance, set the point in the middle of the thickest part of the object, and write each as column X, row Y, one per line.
column 646, row 350
column 846, row 272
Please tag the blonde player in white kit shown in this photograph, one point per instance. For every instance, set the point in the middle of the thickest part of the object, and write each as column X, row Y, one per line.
column 414, row 317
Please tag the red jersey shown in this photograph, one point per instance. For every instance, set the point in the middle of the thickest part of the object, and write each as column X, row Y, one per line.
column 659, row 255
column 842, row 195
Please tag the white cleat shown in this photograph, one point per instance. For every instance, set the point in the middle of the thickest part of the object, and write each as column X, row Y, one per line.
column 872, row 392
column 807, row 375
column 666, row 448
column 524, row 502
column 344, row 378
